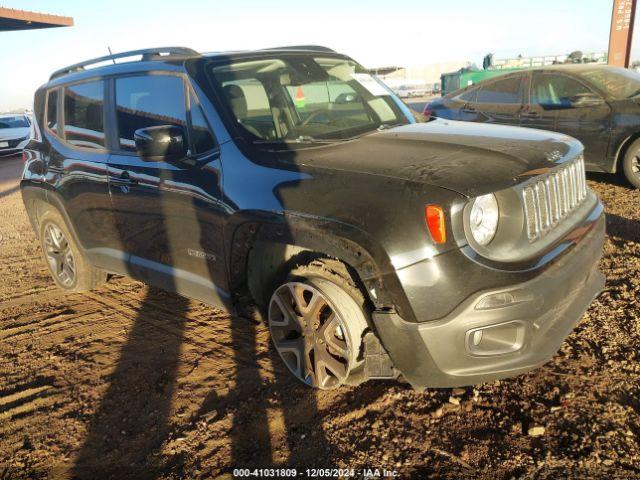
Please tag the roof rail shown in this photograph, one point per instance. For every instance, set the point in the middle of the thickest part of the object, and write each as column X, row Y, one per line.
column 147, row 54
column 313, row 48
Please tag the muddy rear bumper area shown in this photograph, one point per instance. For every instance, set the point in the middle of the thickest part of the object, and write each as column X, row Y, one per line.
column 498, row 333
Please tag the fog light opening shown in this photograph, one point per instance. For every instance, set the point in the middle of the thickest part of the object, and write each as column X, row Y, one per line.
column 496, row 339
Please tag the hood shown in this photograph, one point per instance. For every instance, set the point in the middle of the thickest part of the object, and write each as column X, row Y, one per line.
column 14, row 133
column 468, row 158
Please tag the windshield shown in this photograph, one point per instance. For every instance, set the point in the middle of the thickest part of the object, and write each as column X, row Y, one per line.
column 304, row 98
column 13, row 122
column 617, row 82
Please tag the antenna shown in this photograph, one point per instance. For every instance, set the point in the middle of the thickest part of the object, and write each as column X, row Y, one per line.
column 111, row 53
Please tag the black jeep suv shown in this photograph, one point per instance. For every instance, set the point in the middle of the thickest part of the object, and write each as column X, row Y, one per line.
column 450, row 253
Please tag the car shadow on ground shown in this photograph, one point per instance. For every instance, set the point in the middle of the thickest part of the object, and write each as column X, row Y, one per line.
column 274, row 423
column 609, row 179
column 9, row 191
column 128, row 429
column 625, row 228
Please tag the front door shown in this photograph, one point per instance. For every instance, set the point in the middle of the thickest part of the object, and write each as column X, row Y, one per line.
column 170, row 214
column 553, row 106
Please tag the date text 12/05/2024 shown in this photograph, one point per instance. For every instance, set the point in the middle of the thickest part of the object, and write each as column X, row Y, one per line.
column 366, row 473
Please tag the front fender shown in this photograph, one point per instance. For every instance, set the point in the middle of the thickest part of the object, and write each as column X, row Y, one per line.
column 275, row 240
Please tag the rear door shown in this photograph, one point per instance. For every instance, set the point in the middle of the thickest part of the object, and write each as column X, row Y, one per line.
column 77, row 166
column 169, row 215
column 552, row 107
column 460, row 107
column 500, row 101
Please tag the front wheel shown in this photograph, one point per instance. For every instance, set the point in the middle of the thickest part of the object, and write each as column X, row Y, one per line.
column 317, row 320
column 631, row 164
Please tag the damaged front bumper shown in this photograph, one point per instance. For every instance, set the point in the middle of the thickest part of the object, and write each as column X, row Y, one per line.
column 499, row 333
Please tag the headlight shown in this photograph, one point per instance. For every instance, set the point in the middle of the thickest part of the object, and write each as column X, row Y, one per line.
column 483, row 220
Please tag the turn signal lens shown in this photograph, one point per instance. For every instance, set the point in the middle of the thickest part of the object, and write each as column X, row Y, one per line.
column 435, row 221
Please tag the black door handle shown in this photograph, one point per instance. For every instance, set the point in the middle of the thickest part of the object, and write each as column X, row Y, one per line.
column 530, row 114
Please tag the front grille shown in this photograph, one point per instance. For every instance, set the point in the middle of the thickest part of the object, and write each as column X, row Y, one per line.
column 551, row 198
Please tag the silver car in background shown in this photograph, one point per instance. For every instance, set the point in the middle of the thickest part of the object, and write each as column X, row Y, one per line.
column 15, row 130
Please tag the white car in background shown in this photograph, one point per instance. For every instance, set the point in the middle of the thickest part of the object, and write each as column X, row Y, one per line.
column 15, row 130
column 409, row 91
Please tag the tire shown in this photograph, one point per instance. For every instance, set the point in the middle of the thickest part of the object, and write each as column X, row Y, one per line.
column 631, row 164
column 68, row 266
column 317, row 318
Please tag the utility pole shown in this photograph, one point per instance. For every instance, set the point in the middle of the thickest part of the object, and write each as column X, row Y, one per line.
column 624, row 12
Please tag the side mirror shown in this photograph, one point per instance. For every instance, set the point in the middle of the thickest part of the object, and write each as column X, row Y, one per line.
column 585, row 100
column 163, row 142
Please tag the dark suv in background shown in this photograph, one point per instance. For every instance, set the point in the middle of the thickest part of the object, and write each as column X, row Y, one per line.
column 450, row 253
column 597, row 104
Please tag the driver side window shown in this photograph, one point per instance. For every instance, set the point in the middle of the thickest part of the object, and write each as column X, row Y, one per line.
column 555, row 90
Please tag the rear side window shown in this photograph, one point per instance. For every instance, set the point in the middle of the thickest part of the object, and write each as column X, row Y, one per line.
column 501, row 91
column 200, row 135
column 52, row 111
column 148, row 101
column 83, row 115
column 469, row 95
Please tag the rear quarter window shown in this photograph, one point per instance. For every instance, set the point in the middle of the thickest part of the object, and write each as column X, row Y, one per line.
column 201, row 136
column 52, row 112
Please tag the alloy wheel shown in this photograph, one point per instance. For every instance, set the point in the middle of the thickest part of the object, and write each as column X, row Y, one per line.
column 59, row 255
column 635, row 164
column 310, row 335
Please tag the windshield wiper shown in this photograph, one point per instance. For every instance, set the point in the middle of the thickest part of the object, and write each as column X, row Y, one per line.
column 310, row 139
column 300, row 139
column 387, row 126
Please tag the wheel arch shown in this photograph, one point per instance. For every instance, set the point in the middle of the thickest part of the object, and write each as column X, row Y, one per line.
column 622, row 151
column 262, row 251
column 37, row 200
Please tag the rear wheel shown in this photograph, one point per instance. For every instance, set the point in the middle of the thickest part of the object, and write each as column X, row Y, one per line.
column 631, row 164
column 69, row 268
column 317, row 319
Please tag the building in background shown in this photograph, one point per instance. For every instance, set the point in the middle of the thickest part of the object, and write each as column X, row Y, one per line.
column 416, row 80
column 12, row 20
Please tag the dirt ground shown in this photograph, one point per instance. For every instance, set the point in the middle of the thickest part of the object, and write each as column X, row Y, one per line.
column 132, row 382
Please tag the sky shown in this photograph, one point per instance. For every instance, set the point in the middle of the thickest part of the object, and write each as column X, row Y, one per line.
column 375, row 33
